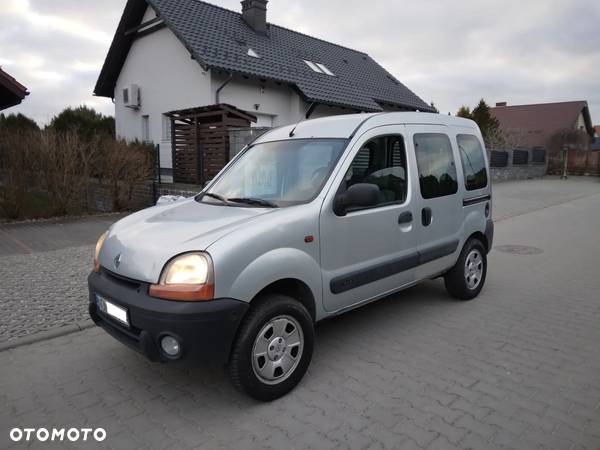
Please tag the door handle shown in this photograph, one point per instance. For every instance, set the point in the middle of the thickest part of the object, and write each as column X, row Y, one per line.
column 405, row 217
column 426, row 216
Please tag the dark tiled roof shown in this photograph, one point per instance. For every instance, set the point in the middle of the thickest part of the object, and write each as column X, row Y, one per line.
column 538, row 122
column 219, row 38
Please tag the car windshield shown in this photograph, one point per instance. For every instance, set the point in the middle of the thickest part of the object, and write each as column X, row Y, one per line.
column 277, row 174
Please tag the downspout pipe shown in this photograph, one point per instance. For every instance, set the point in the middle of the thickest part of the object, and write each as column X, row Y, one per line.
column 220, row 88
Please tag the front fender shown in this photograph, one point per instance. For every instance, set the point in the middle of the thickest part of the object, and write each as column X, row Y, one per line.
column 276, row 265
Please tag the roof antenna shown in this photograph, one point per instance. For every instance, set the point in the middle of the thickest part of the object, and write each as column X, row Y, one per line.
column 310, row 107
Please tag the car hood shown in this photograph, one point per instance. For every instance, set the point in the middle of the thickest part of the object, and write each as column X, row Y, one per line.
column 144, row 241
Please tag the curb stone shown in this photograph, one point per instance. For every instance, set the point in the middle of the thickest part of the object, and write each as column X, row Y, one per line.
column 58, row 219
column 48, row 334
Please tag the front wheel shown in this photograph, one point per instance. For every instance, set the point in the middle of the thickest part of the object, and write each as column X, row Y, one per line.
column 465, row 280
column 273, row 348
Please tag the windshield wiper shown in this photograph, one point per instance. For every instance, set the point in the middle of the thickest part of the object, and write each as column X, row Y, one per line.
column 254, row 201
column 215, row 196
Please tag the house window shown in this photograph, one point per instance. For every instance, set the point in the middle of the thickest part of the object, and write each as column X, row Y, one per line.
column 319, row 68
column 166, row 128
column 252, row 53
column 146, row 128
column 324, row 68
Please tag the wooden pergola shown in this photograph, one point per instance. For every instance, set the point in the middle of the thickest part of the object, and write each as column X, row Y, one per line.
column 200, row 140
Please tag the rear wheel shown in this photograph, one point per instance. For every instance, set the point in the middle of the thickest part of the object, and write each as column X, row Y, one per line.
column 273, row 348
column 466, row 279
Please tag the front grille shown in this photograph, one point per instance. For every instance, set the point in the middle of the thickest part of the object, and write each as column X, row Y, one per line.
column 121, row 280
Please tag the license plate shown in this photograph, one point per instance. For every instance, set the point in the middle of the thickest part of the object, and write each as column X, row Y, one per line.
column 112, row 310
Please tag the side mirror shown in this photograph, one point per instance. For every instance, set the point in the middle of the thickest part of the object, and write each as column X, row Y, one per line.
column 359, row 195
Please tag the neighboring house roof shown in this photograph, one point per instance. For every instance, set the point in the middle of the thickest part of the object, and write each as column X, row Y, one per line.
column 537, row 123
column 219, row 39
column 11, row 91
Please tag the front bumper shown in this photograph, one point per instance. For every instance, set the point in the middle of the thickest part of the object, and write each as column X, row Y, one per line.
column 205, row 330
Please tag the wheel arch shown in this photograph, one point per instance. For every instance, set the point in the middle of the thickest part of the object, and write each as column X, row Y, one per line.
column 480, row 237
column 293, row 287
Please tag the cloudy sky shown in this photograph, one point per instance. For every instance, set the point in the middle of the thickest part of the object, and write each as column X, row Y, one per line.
column 451, row 53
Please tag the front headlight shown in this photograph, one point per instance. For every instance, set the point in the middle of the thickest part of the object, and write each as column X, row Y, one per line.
column 186, row 269
column 187, row 277
column 101, row 240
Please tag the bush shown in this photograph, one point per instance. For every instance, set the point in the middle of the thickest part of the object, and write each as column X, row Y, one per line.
column 16, row 148
column 58, row 166
column 64, row 162
column 122, row 166
column 17, row 122
column 84, row 121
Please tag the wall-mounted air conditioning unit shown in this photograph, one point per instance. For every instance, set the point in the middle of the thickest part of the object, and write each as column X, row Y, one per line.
column 131, row 96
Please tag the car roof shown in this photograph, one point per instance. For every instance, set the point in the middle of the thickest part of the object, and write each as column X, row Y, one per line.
column 348, row 125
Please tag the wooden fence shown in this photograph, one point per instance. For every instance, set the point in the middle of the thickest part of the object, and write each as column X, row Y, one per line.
column 579, row 162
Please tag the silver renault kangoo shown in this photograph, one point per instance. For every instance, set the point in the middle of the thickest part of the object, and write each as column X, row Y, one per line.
column 309, row 221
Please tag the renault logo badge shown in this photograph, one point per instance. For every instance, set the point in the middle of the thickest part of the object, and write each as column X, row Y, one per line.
column 117, row 261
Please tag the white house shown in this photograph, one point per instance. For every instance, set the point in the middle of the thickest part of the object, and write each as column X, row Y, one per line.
column 169, row 55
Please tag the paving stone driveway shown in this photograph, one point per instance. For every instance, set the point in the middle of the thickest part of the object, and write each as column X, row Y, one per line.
column 519, row 367
column 43, row 269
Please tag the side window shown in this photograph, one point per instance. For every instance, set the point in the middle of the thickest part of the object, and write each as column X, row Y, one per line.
column 473, row 162
column 437, row 172
column 382, row 162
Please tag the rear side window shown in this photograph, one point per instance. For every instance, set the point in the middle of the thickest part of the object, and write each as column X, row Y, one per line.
column 435, row 162
column 473, row 162
column 382, row 162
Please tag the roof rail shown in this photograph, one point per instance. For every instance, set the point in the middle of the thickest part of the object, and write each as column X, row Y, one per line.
column 362, row 123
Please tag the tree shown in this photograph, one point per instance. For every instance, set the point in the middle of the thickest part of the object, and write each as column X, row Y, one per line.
column 465, row 112
column 17, row 122
column 488, row 124
column 84, row 121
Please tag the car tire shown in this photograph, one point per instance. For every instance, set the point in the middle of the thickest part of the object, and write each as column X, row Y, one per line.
column 466, row 279
column 273, row 347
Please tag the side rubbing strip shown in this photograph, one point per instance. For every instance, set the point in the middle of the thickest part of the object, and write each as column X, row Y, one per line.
column 359, row 278
column 439, row 251
column 474, row 200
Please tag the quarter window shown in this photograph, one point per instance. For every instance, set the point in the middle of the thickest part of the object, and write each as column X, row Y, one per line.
column 473, row 162
column 382, row 162
column 435, row 162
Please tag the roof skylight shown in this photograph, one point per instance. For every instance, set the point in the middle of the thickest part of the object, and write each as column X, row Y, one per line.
column 252, row 53
column 324, row 68
column 319, row 68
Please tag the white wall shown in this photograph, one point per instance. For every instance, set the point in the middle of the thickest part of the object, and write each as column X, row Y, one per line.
column 168, row 79
column 325, row 111
column 278, row 104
